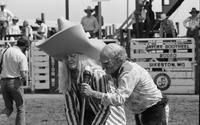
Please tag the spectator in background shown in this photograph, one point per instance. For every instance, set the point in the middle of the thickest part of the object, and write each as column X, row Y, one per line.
column 149, row 21
column 27, row 30
column 5, row 19
column 167, row 29
column 192, row 23
column 141, row 18
column 42, row 31
column 14, row 29
column 90, row 23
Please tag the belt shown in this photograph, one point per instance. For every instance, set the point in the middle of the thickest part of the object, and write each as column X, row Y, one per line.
column 7, row 78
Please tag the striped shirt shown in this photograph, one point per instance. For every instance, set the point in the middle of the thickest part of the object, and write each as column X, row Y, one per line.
column 104, row 115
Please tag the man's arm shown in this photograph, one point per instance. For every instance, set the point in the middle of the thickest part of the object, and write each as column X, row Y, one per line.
column 24, row 75
column 23, row 67
column 117, row 96
column 185, row 22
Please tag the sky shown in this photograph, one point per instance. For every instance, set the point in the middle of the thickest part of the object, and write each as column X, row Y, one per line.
column 114, row 11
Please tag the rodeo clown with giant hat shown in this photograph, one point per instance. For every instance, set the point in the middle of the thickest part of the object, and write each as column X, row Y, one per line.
column 78, row 54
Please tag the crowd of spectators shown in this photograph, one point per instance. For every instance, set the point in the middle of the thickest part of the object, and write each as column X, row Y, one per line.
column 11, row 30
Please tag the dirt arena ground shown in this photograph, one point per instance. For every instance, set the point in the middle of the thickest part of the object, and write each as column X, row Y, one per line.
column 48, row 109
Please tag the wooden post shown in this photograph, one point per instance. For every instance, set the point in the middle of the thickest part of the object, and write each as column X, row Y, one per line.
column 67, row 9
column 43, row 17
column 197, row 67
column 100, row 21
column 137, row 17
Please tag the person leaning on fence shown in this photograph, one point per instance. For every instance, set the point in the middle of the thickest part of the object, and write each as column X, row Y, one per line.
column 134, row 87
column 42, row 31
column 89, row 22
column 192, row 23
column 13, row 75
column 95, row 113
column 167, row 29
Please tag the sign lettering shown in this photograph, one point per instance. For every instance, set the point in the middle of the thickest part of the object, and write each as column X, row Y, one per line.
column 168, row 55
column 167, row 64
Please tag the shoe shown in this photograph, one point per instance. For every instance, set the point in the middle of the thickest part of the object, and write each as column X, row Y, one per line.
column 3, row 117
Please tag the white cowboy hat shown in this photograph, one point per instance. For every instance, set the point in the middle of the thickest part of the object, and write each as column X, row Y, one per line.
column 89, row 9
column 70, row 39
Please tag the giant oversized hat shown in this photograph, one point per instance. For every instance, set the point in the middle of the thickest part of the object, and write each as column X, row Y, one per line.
column 71, row 38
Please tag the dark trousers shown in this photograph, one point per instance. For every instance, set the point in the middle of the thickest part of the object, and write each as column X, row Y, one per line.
column 140, row 33
column 2, row 30
column 12, row 91
column 154, row 115
column 192, row 33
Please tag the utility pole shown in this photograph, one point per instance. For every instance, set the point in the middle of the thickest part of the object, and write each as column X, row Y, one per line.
column 137, row 13
column 67, row 9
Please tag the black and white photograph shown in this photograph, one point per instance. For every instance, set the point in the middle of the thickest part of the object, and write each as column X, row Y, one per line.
column 99, row 62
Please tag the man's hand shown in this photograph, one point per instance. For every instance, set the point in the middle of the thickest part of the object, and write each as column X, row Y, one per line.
column 86, row 89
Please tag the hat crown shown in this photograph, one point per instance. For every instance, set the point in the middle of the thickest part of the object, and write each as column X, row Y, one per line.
column 64, row 24
column 89, row 8
column 15, row 18
column 193, row 10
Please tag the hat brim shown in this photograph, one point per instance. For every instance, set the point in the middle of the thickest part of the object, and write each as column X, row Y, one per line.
column 15, row 19
column 88, row 10
column 71, row 40
column 194, row 12
column 38, row 21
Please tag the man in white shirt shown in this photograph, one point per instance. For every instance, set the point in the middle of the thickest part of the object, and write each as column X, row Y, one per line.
column 13, row 75
column 134, row 86
column 89, row 22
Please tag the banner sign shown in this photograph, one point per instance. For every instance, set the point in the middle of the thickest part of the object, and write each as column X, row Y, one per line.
column 170, row 61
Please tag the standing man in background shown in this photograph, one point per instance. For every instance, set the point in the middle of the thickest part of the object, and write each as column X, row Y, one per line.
column 5, row 19
column 13, row 75
column 90, row 23
column 192, row 23
column 141, row 18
